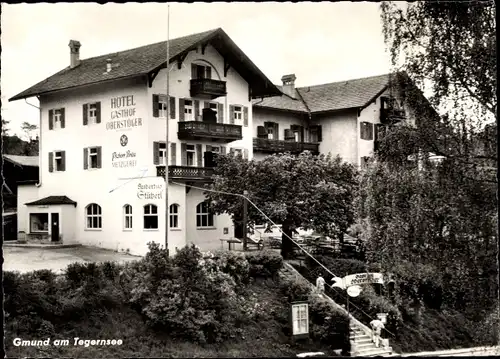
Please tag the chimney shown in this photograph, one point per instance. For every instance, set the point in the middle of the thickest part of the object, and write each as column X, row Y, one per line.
column 74, row 53
column 289, row 85
column 108, row 65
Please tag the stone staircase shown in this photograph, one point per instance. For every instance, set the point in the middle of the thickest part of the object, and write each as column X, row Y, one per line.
column 362, row 344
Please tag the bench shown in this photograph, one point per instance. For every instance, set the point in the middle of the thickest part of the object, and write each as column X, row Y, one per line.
column 231, row 243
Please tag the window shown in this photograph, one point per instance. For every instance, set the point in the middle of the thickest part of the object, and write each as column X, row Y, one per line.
column 204, row 216
column 57, row 118
column 93, row 113
column 127, row 215
column 238, row 113
column 174, row 216
column 93, row 155
column 270, row 133
column 58, row 161
column 150, row 216
column 366, row 131
column 237, row 151
column 201, row 72
column 162, row 154
column 190, row 155
column 39, row 222
column 300, row 319
column 162, row 106
column 94, row 216
column 188, row 110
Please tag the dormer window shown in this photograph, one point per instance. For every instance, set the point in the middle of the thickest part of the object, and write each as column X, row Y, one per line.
column 201, row 72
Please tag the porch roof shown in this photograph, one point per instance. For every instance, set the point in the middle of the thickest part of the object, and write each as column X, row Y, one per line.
column 52, row 200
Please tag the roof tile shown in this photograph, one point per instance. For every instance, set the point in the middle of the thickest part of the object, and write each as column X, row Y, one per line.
column 52, row 200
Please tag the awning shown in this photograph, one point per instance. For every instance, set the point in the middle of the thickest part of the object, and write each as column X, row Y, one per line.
column 52, row 200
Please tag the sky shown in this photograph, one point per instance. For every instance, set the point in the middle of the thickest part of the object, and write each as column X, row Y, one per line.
column 318, row 42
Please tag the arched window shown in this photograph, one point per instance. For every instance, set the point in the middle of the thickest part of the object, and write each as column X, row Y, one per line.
column 150, row 216
column 93, row 214
column 174, row 216
column 204, row 216
column 127, row 216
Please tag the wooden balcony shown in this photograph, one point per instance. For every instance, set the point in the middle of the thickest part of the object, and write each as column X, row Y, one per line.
column 207, row 88
column 391, row 115
column 186, row 173
column 278, row 146
column 216, row 132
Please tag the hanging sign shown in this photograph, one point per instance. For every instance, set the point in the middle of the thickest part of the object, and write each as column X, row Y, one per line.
column 358, row 279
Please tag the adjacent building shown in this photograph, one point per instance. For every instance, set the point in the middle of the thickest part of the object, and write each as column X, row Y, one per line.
column 103, row 149
column 344, row 118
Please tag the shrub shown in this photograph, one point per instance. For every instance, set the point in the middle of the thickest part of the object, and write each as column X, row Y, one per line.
column 295, row 290
column 235, row 264
column 330, row 326
column 264, row 264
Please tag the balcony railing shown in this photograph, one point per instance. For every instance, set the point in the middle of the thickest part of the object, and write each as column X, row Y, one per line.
column 208, row 88
column 391, row 115
column 219, row 132
column 273, row 146
column 186, row 173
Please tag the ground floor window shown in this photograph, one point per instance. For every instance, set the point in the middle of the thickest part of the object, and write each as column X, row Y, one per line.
column 174, row 216
column 150, row 216
column 204, row 216
column 94, row 216
column 127, row 213
column 39, row 222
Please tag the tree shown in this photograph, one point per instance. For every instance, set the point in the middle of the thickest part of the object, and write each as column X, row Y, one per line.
column 5, row 129
column 28, row 129
column 447, row 50
column 311, row 192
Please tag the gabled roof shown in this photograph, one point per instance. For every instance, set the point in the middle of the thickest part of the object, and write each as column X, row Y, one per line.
column 283, row 102
column 150, row 58
column 52, row 200
column 356, row 93
column 29, row 161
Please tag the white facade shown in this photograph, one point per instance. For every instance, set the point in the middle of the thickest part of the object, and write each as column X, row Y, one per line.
column 126, row 173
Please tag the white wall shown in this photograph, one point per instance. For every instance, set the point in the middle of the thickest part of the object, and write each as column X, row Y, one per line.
column 369, row 114
column 339, row 134
column 25, row 193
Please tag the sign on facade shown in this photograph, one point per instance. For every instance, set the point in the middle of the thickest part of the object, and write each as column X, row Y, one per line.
column 123, row 114
column 148, row 191
column 123, row 158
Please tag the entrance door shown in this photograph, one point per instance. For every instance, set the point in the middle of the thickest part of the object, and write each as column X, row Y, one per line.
column 54, row 220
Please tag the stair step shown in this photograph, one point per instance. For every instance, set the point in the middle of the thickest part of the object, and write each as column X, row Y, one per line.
column 357, row 337
column 372, row 351
column 362, row 340
column 365, row 345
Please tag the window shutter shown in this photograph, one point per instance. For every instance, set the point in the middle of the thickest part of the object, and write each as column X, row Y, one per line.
column 173, row 154
column 99, row 157
column 63, row 160
column 193, row 71
column 245, row 153
column 172, row 107
column 51, row 161
column 85, row 114
column 62, row 118
column 245, row 116
column 206, row 104
column 98, row 112
column 261, row 132
column 181, row 109
column 156, row 153
column 220, row 113
column 320, row 134
column 301, row 131
column 209, row 72
column 231, row 114
column 85, row 158
column 51, row 119
column 196, row 110
column 289, row 134
column 209, row 148
column 183, row 154
column 199, row 158
column 276, row 131
column 370, row 131
column 156, row 102
column 223, row 150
